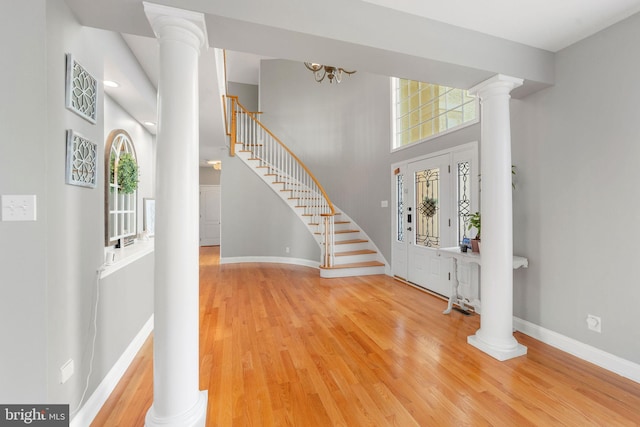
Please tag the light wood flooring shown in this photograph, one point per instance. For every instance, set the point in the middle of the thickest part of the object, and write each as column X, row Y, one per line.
column 280, row 346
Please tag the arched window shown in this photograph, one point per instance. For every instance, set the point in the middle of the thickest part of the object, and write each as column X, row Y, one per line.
column 121, row 183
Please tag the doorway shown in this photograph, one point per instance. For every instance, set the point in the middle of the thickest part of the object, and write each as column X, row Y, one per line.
column 209, row 215
column 433, row 197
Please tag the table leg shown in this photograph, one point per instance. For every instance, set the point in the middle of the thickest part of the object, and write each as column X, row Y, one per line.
column 454, row 287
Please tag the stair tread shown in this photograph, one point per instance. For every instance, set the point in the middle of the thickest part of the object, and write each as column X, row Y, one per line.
column 335, row 222
column 346, row 242
column 355, row 265
column 360, row 252
column 335, row 232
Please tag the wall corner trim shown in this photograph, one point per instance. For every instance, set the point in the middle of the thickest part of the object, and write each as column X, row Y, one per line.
column 89, row 410
column 579, row 349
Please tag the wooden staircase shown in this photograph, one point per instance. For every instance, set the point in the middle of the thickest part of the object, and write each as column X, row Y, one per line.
column 346, row 250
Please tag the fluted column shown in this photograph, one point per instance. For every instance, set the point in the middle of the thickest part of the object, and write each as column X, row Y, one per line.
column 177, row 400
column 495, row 336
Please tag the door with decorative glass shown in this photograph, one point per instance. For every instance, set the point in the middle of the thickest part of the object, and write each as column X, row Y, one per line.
column 428, row 223
column 432, row 199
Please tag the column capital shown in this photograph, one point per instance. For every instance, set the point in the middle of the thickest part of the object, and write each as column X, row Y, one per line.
column 506, row 83
column 177, row 24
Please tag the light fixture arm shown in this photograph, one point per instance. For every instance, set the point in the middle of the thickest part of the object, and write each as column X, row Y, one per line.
column 321, row 71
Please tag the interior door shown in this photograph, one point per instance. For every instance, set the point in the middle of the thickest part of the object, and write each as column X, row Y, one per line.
column 209, row 215
column 429, row 224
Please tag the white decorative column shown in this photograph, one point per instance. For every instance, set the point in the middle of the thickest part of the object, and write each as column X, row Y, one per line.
column 177, row 400
column 495, row 336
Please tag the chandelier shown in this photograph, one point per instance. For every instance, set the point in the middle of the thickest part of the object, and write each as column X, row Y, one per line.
column 322, row 71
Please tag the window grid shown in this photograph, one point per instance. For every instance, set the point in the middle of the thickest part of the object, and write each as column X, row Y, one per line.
column 122, row 207
column 423, row 110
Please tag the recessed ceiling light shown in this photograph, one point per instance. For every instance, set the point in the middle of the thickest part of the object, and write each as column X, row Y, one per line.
column 149, row 123
column 110, row 83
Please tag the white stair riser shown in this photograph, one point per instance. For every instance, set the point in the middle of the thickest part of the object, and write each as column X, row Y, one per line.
column 352, row 259
column 350, row 272
column 347, row 247
column 347, row 236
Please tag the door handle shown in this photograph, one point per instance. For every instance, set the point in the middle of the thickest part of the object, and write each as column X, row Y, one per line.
column 408, row 228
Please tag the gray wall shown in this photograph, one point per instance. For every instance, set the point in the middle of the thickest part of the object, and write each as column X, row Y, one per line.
column 209, row 176
column 23, row 170
column 577, row 147
column 257, row 222
column 247, row 94
column 343, row 134
column 50, row 266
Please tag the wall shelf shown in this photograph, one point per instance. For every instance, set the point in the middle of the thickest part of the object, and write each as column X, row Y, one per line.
column 127, row 255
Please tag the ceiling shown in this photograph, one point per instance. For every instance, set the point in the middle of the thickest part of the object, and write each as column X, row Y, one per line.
column 546, row 24
column 251, row 30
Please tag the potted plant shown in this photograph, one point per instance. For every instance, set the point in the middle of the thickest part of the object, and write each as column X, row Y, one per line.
column 475, row 222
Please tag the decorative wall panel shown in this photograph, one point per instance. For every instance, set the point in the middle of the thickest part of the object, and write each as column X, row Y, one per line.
column 81, row 90
column 82, row 156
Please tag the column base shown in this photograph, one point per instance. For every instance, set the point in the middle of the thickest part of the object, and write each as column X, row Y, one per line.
column 498, row 352
column 194, row 417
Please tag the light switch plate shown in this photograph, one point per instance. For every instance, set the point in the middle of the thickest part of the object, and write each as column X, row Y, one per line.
column 18, row 207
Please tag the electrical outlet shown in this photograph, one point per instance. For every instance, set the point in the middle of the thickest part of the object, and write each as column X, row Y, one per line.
column 19, row 208
column 66, row 371
column 594, row 323
column 286, row 250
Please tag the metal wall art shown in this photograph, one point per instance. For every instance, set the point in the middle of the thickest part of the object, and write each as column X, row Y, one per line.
column 81, row 90
column 82, row 160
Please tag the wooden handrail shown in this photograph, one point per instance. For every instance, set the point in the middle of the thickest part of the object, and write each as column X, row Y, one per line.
column 300, row 162
column 274, row 154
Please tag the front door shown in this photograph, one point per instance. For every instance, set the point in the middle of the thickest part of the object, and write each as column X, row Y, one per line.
column 432, row 199
column 428, row 223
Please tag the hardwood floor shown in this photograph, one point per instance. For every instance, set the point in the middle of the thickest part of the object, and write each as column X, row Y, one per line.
column 280, row 346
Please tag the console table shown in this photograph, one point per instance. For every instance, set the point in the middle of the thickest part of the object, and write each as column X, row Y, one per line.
column 472, row 258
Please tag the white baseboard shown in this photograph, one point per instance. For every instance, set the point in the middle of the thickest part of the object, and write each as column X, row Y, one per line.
column 270, row 259
column 584, row 351
column 90, row 409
